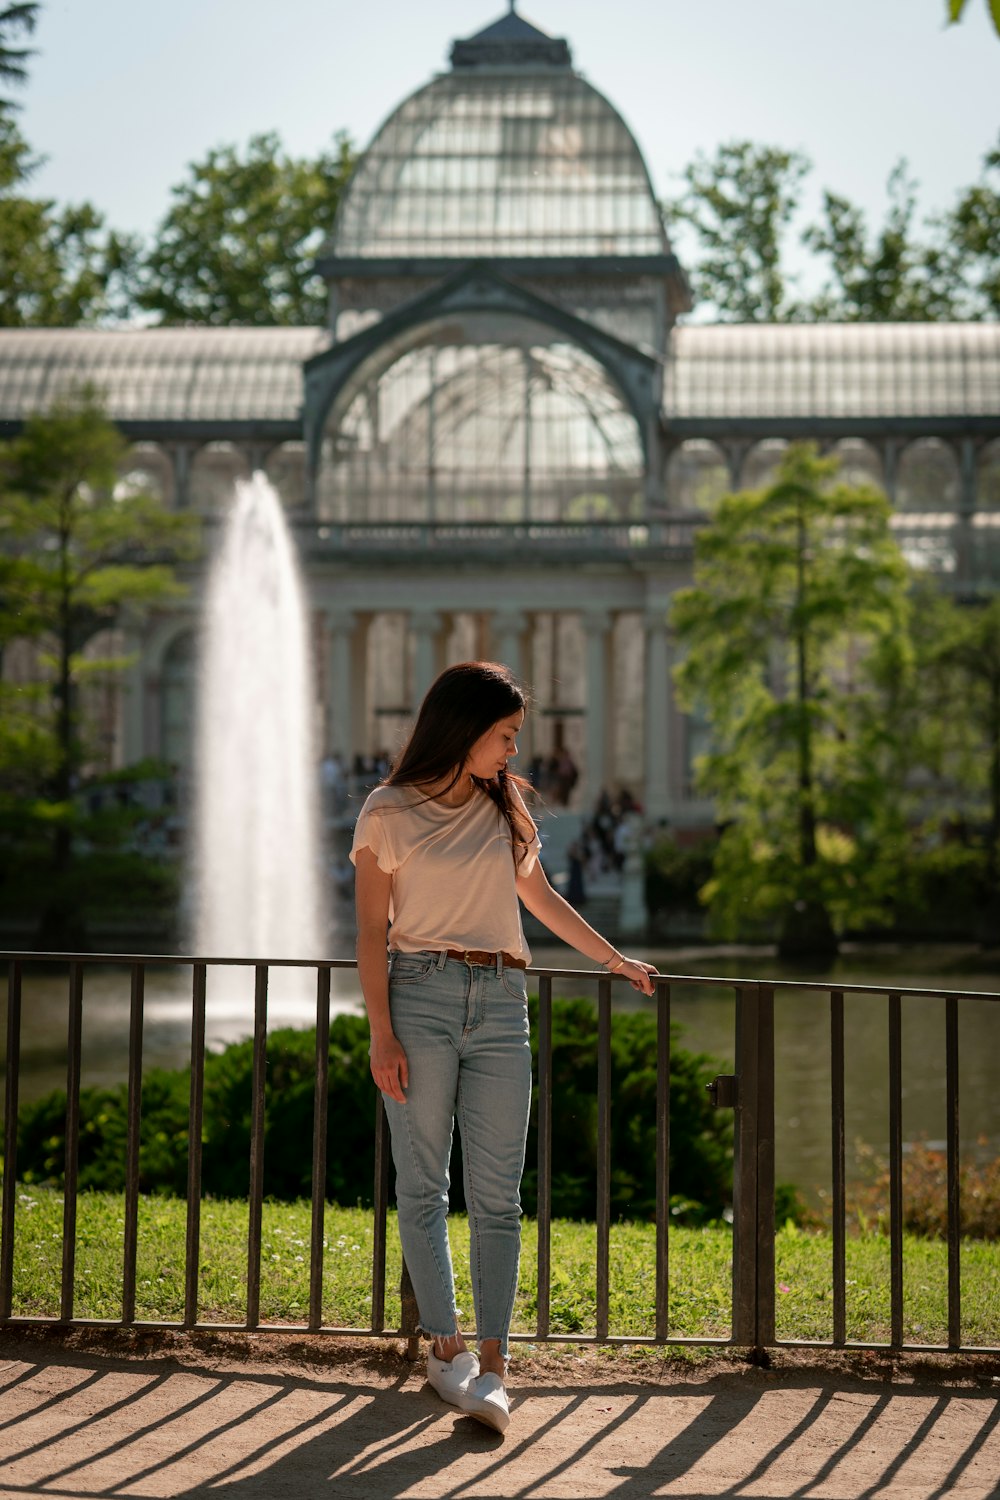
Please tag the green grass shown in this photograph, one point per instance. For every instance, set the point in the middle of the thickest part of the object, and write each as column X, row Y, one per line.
column 700, row 1272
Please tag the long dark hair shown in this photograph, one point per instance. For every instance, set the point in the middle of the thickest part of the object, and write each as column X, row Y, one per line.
column 460, row 706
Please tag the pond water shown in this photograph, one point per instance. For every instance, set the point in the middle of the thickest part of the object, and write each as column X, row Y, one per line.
column 706, row 1015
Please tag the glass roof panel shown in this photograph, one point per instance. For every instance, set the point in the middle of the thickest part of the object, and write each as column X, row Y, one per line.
column 501, row 164
column 160, row 374
column 769, row 371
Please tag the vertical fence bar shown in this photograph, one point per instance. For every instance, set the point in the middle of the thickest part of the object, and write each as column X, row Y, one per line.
column 73, row 1043
column 10, row 1138
column 765, row 1167
column 954, row 1195
column 256, row 1195
column 745, row 1171
column 838, row 1167
column 196, row 1106
column 320, row 1104
column 603, row 1153
column 896, row 1169
column 662, row 1162
column 544, row 1206
column 381, row 1189
column 132, row 1142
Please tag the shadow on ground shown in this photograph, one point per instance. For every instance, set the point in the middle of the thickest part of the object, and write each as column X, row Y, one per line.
column 253, row 1417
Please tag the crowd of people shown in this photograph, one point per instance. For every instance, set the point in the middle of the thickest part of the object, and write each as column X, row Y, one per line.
column 602, row 844
column 554, row 776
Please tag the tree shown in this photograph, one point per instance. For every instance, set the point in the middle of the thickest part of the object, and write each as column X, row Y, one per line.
column 238, row 244
column 892, row 278
column 970, row 235
column 960, row 669
column 739, row 205
column 956, row 7
column 795, row 586
column 13, row 60
column 59, row 267
column 76, row 552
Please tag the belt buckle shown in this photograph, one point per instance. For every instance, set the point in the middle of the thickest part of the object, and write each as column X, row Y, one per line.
column 472, row 962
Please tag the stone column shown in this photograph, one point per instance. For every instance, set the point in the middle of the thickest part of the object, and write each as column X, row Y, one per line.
column 656, row 801
column 359, row 687
column 341, row 732
column 427, row 629
column 890, row 467
column 965, row 558
column 507, row 628
column 597, row 629
column 133, row 746
column 181, row 455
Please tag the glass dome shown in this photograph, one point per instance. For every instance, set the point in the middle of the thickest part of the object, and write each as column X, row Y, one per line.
column 506, row 155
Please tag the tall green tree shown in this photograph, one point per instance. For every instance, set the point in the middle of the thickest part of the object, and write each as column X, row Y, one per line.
column 970, row 239
column 888, row 276
column 959, row 670
column 739, row 204
column 59, row 266
column 239, row 241
column 15, row 19
column 796, row 585
column 76, row 551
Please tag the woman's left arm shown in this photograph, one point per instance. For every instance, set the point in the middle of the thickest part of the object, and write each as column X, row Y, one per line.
column 559, row 917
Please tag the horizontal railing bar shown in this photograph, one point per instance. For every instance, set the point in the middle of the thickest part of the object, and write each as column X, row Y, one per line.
column 335, row 1329
column 622, row 1340
column 857, row 1347
column 725, row 981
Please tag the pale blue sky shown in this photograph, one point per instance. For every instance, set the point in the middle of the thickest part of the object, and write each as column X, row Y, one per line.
column 125, row 93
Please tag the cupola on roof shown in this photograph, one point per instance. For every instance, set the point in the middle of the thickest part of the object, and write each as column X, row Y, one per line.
column 511, row 153
column 511, row 41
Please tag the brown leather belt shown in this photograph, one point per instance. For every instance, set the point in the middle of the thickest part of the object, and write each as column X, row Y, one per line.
column 481, row 959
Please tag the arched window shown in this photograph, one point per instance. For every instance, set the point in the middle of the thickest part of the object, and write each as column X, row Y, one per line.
column 214, row 473
column 928, row 477
column 988, row 477
column 285, row 467
column 147, row 469
column 860, row 463
column 760, row 466
column 697, row 476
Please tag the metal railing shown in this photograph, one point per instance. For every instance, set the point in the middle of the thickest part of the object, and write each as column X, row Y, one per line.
column 750, row 1092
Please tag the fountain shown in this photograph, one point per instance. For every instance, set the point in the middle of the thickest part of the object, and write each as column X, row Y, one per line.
column 257, row 846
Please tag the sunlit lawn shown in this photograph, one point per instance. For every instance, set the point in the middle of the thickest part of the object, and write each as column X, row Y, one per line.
column 700, row 1273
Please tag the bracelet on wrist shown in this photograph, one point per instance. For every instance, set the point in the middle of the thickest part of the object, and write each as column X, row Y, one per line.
column 614, row 961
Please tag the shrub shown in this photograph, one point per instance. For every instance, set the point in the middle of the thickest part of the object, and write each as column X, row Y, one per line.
column 925, row 1195
column 701, row 1158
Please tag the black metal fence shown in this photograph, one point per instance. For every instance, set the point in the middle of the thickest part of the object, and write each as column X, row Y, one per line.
column 749, row 1091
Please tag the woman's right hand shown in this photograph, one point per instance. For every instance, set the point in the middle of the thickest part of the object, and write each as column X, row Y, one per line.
column 389, row 1067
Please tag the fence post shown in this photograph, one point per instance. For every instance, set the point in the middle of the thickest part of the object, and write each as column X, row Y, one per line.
column 765, row 1167
column 753, row 1169
column 745, row 1170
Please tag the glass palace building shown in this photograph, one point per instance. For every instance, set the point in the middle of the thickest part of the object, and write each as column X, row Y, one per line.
column 503, row 442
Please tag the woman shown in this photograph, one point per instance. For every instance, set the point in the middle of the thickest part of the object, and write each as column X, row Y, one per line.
column 442, row 850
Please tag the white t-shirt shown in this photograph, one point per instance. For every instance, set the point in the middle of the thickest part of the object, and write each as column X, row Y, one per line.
column 452, row 868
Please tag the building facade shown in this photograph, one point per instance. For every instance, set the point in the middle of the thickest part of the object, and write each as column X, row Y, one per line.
column 503, row 442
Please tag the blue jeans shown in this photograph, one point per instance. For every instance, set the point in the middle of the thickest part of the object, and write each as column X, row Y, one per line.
column 465, row 1034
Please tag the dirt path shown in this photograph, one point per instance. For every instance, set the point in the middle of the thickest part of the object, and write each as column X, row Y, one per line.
column 103, row 1414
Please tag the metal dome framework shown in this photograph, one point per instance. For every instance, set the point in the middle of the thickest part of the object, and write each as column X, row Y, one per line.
column 501, row 293
column 480, row 164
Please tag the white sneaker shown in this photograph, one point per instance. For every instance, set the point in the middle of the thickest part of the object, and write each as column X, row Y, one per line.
column 486, row 1399
column 450, row 1378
